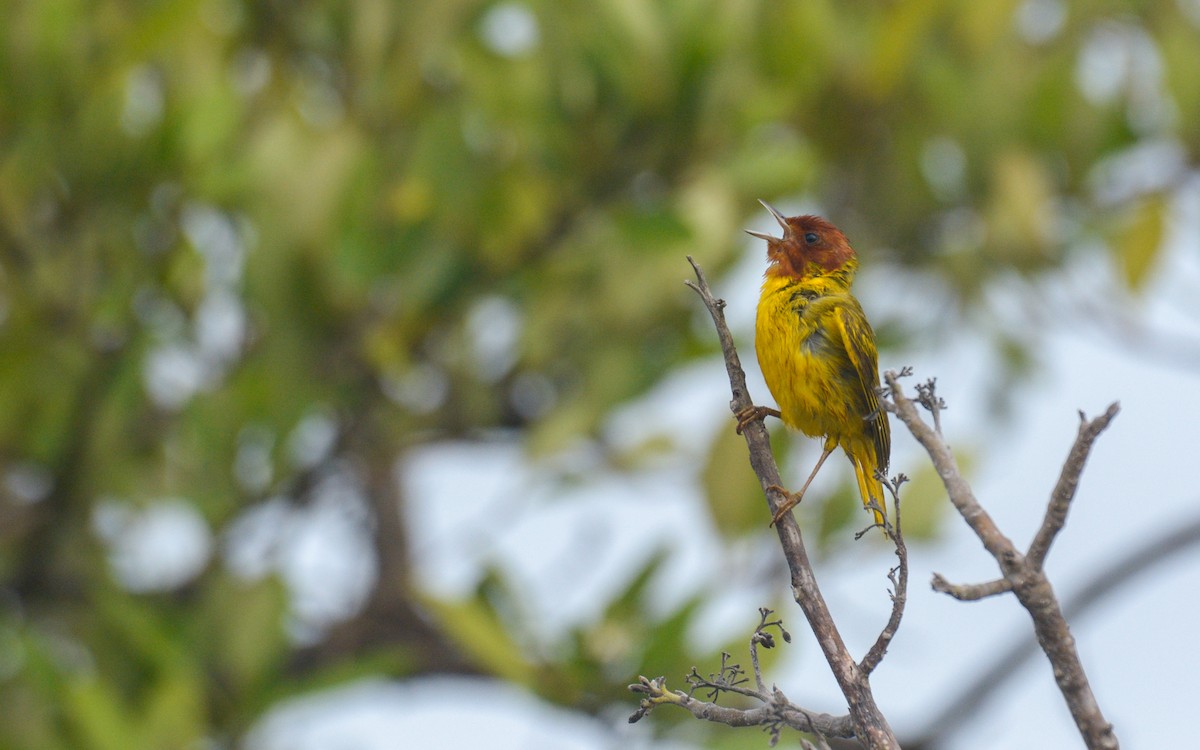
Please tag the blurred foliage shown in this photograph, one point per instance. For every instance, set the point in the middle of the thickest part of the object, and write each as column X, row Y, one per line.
column 253, row 253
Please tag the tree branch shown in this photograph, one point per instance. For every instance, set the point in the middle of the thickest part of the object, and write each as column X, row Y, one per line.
column 959, row 491
column 775, row 713
column 1105, row 581
column 871, row 727
column 899, row 578
column 1068, row 481
column 1027, row 580
column 763, row 636
column 970, row 592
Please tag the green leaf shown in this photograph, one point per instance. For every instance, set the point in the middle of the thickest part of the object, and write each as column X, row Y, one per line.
column 924, row 504
column 174, row 713
column 629, row 602
column 473, row 625
column 1139, row 243
column 838, row 511
column 245, row 625
column 96, row 716
column 731, row 489
column 664, row 645
column 904, row 30
column 1019, row 229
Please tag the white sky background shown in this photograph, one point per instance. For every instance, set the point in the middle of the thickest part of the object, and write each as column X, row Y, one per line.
column 567, row 554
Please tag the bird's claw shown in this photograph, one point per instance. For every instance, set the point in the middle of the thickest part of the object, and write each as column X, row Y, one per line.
column 792, row 501
column 752, row 413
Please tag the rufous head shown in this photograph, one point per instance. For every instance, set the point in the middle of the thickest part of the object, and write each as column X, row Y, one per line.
column 807, row 241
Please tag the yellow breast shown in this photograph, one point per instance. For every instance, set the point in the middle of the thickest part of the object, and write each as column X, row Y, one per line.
column 803, row 358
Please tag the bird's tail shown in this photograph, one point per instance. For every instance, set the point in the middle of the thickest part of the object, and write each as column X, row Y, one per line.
column 869, row 487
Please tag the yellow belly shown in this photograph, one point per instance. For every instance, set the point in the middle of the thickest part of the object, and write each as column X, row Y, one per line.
column 808, row 368
column 804, row 363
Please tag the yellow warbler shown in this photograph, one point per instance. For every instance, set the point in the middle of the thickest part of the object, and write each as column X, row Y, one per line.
column 817, row 352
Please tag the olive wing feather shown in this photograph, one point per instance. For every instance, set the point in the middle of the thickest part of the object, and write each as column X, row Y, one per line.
column 859, row 341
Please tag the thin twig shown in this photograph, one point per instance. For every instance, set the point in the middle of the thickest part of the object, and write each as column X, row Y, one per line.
column 899, row 580
column 657, row 694
column 763, row 636
column 775, row 712
column 927, row 397
column 944, row 463
column 729, row 679
column 1068, row 481
column 970, row 592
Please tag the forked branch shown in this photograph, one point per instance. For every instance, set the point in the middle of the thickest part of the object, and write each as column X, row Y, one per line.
column 775, row 711
column 1020, row 573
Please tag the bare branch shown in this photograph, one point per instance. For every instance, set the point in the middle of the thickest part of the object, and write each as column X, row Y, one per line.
column 777, row 710
column 763, row 636
column 970, row 592
column 729, row 679
column 1027, row 581
column 959, row 491
column 1149, row 553
column 899, row 579
column 1068, row 481
column 927, row 397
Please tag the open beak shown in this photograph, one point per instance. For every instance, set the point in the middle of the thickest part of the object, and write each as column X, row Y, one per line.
column 762, row 235
column 778, row 217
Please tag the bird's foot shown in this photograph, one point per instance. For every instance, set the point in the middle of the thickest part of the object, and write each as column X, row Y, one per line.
column 752, row 413
column 793, row 499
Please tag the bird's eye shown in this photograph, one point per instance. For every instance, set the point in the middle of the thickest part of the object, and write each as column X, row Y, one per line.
column 811, row 237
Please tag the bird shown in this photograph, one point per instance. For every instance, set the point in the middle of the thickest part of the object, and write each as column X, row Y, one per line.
column 818, row 354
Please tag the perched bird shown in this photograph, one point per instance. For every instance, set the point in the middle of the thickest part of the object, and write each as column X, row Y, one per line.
column 817, row 352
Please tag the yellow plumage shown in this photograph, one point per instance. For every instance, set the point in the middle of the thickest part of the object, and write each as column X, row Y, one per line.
column 817, row 351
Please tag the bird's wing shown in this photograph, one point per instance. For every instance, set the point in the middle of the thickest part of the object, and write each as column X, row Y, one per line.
column 859, row 340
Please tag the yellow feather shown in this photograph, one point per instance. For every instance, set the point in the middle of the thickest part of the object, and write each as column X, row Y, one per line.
column 817, row 353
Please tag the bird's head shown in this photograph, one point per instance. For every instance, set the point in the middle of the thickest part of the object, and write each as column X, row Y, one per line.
column 809, row 245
